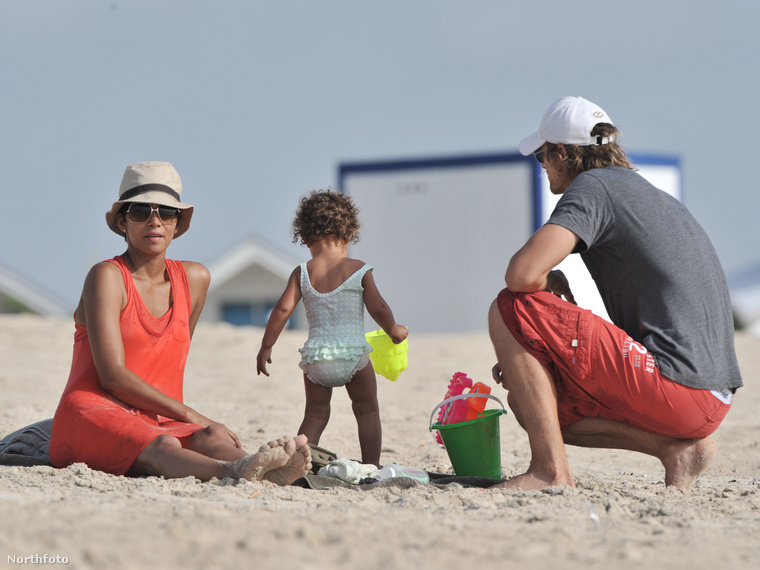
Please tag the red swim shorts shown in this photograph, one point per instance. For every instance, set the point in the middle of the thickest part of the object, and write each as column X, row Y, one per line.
column 600, row 371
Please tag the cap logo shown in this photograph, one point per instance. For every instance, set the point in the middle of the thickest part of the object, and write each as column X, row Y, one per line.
column 598, row 114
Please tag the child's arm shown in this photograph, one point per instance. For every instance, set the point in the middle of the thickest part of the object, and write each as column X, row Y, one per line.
column 282, row 311
column 379, row 310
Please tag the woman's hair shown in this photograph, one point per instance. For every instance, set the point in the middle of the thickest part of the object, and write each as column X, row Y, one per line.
column 579, row 159
column 324, row 213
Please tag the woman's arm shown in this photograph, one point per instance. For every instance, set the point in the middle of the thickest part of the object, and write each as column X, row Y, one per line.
column 281, row 312
column 379, row 310
column 199, row 279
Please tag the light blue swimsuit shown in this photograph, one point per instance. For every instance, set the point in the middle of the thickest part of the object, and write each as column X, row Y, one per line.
column 336, row 348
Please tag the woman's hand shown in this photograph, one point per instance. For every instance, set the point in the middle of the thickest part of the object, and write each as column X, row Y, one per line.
column 194, row 417
column 233, row 437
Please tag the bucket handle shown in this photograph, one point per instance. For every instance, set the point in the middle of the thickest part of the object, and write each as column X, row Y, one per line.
column 461, row 397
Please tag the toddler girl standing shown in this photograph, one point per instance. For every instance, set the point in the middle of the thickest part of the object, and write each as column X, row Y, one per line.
column 335, row 289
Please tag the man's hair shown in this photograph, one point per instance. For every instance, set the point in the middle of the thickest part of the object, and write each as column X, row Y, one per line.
column 582, row 158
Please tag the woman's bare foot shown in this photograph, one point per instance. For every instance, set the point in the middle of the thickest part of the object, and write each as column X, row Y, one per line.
column 274, row 455
column 688, row 459
column 297, row 466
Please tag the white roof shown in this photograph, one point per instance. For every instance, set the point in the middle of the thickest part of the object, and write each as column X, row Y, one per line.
column 31, row 295
column 252, row 250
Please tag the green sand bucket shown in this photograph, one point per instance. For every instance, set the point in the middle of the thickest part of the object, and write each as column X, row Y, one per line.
column 474, row 446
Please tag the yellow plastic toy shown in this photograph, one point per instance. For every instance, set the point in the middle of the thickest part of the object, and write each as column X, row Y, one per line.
column 389, row 359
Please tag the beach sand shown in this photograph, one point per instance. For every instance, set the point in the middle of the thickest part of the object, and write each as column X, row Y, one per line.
column 619, row 516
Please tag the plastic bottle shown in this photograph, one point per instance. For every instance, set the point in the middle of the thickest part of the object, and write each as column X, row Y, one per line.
column 393, row 470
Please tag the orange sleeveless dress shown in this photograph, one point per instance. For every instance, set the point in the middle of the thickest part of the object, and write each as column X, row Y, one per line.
column 93, row 427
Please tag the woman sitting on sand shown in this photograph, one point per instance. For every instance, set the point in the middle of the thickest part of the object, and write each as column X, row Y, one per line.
column 122, row 410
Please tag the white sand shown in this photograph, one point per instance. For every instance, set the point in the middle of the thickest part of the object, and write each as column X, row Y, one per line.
column 619, row 516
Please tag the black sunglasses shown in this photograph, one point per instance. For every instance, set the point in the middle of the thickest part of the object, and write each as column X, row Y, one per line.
column 141, row 213
column 539, row 154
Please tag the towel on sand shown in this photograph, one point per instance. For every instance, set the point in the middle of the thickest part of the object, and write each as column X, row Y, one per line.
column 319, row 483
column 27, row 446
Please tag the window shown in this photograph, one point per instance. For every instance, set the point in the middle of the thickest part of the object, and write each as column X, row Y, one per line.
column 251, row 314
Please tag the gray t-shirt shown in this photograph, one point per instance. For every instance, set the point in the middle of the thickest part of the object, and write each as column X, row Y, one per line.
column 657, row 273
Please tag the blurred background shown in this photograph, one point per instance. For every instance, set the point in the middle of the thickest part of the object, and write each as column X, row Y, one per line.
column 257, row 102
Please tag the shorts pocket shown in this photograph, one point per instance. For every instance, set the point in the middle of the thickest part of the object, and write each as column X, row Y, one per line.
column 559, row 329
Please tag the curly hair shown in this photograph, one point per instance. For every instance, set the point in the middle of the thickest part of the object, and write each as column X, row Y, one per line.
column 579, row 159
column 324, row 213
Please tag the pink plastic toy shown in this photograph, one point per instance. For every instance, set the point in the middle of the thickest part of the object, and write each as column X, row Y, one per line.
column 465, row 409
column 455, row 412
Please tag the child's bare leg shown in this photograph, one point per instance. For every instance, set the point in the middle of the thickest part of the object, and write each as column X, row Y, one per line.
column 317, row 411
column 363, row 393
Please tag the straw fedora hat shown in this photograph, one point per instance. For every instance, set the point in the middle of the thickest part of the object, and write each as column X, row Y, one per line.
column 151, row 183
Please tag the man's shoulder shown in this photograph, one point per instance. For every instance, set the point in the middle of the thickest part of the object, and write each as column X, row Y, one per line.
column 613, row 181
column 610, row 173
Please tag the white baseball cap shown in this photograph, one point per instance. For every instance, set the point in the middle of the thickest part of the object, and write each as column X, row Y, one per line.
column 568, row 121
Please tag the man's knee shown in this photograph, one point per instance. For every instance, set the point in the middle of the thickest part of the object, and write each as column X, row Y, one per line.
column 495, row 320
column 493, row 311
column 497, row 327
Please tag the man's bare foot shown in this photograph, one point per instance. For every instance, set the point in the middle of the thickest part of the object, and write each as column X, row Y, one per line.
column 530, row 482
column 688, row 459
column 297, row 466
column 274, row 455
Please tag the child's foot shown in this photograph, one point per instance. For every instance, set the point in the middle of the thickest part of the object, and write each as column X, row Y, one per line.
column 274, row 455
column 297, row 466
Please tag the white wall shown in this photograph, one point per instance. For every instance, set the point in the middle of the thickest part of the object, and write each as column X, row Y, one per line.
column 440, row 237
column 440, row 232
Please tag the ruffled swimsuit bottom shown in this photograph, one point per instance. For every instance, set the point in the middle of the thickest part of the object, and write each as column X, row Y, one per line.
column 333, row 362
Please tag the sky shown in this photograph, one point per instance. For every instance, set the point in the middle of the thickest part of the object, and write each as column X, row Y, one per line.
column 258, row 102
